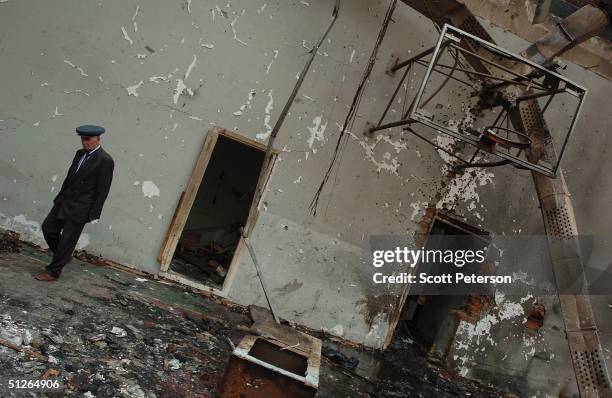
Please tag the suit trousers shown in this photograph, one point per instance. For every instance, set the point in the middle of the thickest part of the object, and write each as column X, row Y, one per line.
column 62, row 236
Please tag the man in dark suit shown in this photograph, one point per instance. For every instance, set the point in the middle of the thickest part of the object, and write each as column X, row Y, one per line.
column 79, row 201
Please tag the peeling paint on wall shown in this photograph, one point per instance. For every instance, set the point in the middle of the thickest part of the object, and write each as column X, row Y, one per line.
column 247, row 104
column 471, row 337
column 81, row 71
column 149, row 189
column 134, row 18
column 131, row 90
column 126, row 37
column 391, row 165
column 234, row 29
column 317, row 132
column 267, row 110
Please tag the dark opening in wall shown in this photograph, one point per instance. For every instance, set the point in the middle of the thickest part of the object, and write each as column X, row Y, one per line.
column 221, row 207
column 431, row 321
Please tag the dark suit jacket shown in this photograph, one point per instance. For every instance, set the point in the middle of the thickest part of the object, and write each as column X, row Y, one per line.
column 83, row 193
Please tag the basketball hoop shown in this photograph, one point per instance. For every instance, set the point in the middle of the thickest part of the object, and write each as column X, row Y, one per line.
column 492, row 136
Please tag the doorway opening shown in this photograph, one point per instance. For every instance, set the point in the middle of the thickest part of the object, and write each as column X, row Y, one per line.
column 205, row 235
column 431, row 320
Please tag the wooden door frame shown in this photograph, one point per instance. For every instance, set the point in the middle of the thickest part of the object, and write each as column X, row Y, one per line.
column 185, row 203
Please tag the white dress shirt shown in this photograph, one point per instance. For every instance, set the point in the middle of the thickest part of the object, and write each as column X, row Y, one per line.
column 84, row 155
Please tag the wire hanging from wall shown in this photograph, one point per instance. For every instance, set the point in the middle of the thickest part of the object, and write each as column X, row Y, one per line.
column 352, row 113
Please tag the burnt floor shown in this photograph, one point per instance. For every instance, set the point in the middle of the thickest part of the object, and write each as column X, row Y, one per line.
column 167, row 341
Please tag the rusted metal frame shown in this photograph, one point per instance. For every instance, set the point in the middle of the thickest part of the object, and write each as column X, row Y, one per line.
column 497, row 65
column 547, row 103
column 576, row 308
column 458, row 13
column 571, row 129
column 486, row 75
column 577, row 313
column 482, row 164
column 390, row 125
column 474, row 142
column 449, row 76
column 485, row 164
column 522, row 59
column 412, row 59
column 399, row 86
column 549, row 169
column 442, row 42
column 417, row 100
column 446, row 79
column 539, row 95
column 446, row 74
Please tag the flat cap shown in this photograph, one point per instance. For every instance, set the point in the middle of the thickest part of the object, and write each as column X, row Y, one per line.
column 90, row 130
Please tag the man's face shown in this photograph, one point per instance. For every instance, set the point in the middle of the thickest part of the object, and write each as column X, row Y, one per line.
column 90, row 143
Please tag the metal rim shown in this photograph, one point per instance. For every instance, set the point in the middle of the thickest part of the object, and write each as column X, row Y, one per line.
column 491, row 134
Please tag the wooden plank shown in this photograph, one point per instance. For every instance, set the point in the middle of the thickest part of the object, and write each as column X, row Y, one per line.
column 183, row 280
column 176, row 227
column 172, row 222
column 245, row 140
column 231, row 272
column 254, row 212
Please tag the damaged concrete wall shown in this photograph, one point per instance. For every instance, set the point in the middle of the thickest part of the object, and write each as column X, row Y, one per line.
column 158, row 75
column 498, row 348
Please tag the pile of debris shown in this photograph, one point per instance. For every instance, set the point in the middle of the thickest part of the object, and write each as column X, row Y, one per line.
column 114, row 334
column 9, row 242
column 210, row 250
column 120, row 348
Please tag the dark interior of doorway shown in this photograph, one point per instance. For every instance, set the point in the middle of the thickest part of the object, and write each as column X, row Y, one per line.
column 221, row 207
column 428, row 320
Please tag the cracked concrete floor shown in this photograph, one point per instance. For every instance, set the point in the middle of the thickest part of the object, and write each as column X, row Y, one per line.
column 110, row 333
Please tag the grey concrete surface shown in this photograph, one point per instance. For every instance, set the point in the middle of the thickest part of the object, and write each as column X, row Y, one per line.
column 200, row 64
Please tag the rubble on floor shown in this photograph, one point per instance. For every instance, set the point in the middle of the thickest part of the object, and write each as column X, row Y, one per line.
column 109, row 333
column 9, row 241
